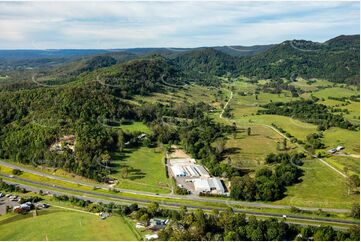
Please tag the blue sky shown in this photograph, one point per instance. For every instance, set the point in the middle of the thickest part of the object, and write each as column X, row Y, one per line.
column 44, row 25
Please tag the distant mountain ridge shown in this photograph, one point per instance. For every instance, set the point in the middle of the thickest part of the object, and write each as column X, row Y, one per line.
column 336, row 59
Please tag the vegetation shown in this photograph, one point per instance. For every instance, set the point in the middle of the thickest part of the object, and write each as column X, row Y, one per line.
column 309, row 111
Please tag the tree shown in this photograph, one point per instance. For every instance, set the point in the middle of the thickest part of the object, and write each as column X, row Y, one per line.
column 285, row 144
column 355, row 210
column 353, row 182
column 249, row 131
column 124, row 172
column 16, row 172
column 220, row 145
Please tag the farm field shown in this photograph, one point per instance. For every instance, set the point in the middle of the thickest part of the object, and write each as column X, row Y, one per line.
column 146, row 170
column 246, row 152
column 295, row 127
column 320, row 187
column 66, row 225
column 347, row 138
column 335, row 92
column 302, row 84
column 347, row 164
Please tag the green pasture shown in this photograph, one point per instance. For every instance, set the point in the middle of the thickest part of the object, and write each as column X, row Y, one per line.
column 320, row 187
column 146, row 170
column 65, row 225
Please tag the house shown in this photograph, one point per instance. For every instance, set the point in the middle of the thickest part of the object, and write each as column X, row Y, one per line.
column 340, row 147
column 103, row 215
column 141, row 136
column 151, row 236
column 158, row 223
column 332, row 151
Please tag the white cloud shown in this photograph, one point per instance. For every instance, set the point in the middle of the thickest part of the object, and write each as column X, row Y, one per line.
column 171, row 24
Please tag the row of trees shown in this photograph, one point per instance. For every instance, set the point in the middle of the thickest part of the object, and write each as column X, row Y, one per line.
column 309, row 111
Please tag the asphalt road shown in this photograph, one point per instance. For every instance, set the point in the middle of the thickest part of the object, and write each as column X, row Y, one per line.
column 189, row 197
column 108, row 198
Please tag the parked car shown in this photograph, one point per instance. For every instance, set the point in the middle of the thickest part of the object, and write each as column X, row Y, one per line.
column 1, row 194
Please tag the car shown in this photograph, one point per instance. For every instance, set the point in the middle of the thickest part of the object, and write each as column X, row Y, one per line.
column 284, row 216
column 1, row 194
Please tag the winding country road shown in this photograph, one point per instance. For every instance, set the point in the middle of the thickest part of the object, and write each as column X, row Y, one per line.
column 280, row 133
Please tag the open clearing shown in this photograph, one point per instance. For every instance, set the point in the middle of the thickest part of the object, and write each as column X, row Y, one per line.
column 136, row 127
column 146, row 170
column 295, row 127
column 321, row 187
column 66, row 225
column 335, row 92
column 246, row 152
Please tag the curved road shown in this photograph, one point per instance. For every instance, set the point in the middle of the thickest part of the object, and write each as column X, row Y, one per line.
column 189, row 197
column 169, row 204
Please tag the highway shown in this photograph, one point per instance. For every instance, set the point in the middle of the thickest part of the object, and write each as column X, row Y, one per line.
column 108, row 198
column 172, row 196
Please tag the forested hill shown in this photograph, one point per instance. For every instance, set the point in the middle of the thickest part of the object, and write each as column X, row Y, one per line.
column 208, row 60
column 141, row 76
column 336, row 60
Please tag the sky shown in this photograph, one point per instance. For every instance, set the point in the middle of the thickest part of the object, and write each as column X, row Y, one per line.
column 106, row 25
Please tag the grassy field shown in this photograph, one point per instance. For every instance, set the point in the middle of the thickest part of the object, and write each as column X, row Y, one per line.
column 245, row 151
column 146, row 170
column 136, row 126
column 335, row 92
column 347, row 138
column 320, row 187
column 343, row 163
column 295, row 127
column 354, row 109
column 302, row 84
column 66, row 225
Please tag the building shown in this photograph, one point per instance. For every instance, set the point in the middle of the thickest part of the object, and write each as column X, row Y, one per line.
column 178, row 171
column 158, row 223
column 189, row 170
column 182, row 161
column 340, row 147
column 209, row 185
column 151, row 236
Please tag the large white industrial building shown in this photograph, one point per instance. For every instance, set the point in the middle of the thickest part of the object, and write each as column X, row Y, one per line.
column 209, row 185
column 195, row 177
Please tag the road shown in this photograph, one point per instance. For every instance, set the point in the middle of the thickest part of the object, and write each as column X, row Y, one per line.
column 172, row 196
column 321, row 160
column 280, row 133
column 224, row 108
column 110, row 198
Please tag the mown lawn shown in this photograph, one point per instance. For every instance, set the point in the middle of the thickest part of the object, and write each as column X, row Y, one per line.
column 146, row 170
column 321, row 187
column 66, row 225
